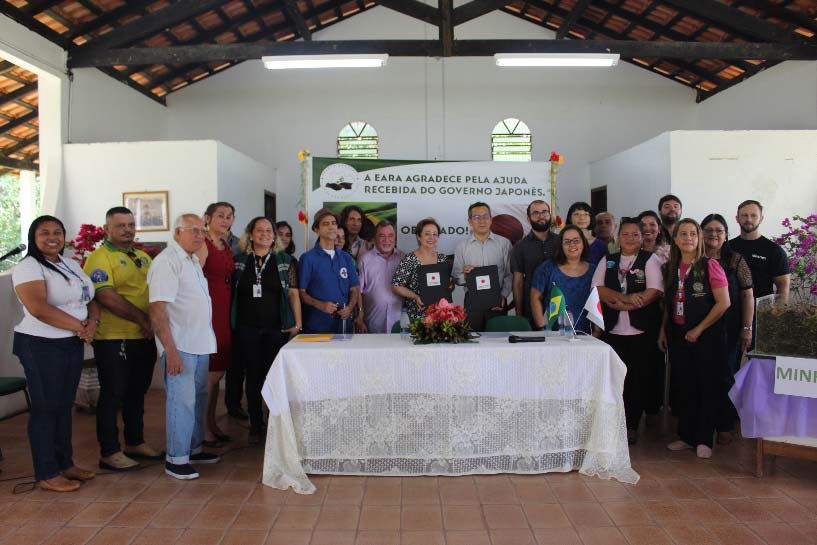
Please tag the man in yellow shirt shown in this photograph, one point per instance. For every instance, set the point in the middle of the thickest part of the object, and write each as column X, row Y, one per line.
column 124, row 348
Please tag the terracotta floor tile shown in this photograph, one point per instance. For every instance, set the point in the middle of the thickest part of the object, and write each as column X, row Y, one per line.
column 532, row 478
column 512, row 537
column 691, row 534
column 460, row 517
column 808, row 529
column 587, row 514
column 157, row 536
column 71, row 536
column 200, row 536
column 627, row 513
column 215, row 516
column 649, row 489
column 114, row 536
column 351, row 480
column 244, row 537
column 232, row 493
column 499, row 478
column 421, row 517
column 572, row 491
column 386, row 481
column 780, row 534
column 468, row 537
column 497, row 493
column 136, row 515
column 296, row 518
column 665, row 512
column 160, row 491
column 333, row 537
column 422, row 538
column 500, row 517
column 546, row 515
column 256, row 517
column 339, row 517
column 602, row 536
column 706, row 512
column 736, row 534
column 59, row 512
column 604, row 491
column 20, row 512
column 244, row 474
column 683, row 489
column 175, row 515
column 97, row 514
column 420, row 493
column 693, row 468
column 788, row 510
column 382, row 495
column 121, row 492
column 263, row 494
column 557, row 536
column 289, row 537
column 380, row 518
column 344, row 494
column 746, row 510
column 316, row 498
column 756, row 488
column 562, row 477
column 378, row 537
column 719, row 487
column 459, row 494
column 30, row 534
column 534, row 492
column 192, row 492
column 645, row 535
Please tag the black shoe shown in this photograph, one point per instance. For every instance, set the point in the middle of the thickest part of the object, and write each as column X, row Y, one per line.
column 238, row 413
column 184, row 472
column 204, row 458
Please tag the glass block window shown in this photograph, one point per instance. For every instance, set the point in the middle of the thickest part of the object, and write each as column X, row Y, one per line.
column 357, row 140
column 511, row 141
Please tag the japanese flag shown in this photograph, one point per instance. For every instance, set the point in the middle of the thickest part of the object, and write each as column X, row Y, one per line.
column 593, row 308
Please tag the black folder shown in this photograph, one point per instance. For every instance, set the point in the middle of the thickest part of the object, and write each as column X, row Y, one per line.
column 439, row 278
column 482, row 284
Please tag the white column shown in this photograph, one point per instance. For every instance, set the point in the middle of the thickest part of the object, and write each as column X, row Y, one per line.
column 28, row 202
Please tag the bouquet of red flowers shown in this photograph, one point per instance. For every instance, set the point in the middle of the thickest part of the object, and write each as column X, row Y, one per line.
column 87, row 240
column 443, row 323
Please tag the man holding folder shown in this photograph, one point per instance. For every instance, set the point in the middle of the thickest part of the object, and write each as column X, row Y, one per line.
column 482, row 265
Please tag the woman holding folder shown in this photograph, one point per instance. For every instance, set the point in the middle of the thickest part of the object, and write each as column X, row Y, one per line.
column 405, row 282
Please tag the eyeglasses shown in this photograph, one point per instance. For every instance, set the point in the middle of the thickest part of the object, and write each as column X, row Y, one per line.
column 571, row 241
column 197, row 231
column 479, row 217
column 133, row 257
column 536, row 214
column 713, row 231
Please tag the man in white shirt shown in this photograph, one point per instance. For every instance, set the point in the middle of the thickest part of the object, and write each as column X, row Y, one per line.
column 181, row 315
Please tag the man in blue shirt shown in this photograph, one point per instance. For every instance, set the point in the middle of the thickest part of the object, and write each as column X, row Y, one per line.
column 327, row 280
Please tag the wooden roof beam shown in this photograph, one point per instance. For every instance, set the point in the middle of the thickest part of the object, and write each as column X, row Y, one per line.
column 731, row 18
column 17, row 164
column 21, row 145
column 474, row 9
column 293, row 14
column 575, row 13
column 414, row 8
column 16, row 122
column 18, row 93
column 33, row 24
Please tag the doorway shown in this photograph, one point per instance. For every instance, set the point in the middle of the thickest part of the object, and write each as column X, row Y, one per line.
column 598, row 199
column 269, row 206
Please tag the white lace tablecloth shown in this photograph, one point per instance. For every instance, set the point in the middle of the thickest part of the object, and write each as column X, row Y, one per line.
column 379, row 405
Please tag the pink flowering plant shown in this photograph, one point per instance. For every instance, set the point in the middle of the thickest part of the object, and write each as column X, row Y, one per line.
column 442, row 323
column 787, row 328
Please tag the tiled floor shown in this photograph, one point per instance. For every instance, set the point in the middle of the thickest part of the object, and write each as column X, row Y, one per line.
column 680, row 500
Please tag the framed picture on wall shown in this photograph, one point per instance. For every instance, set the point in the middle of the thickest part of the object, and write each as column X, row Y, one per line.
column 149, row 208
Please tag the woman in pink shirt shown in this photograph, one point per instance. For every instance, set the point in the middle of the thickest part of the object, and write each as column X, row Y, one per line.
column 696, row 297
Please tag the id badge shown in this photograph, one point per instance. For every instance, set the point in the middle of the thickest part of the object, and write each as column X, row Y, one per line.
column 679, row 308
column 86, row 294
column 256, row 290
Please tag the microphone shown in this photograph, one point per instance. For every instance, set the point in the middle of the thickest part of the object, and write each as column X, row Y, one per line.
column 14, row 252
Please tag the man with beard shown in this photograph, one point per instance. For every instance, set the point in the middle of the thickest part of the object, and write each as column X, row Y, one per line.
column 670, row 209
column 767, row 260
column 537, row 246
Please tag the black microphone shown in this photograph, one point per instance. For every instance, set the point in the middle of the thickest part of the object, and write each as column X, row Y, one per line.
column 14, row 252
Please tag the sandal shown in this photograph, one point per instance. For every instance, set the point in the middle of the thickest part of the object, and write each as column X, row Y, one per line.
column 58, row 484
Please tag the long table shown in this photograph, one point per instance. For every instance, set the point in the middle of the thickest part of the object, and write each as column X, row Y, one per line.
column 379, row 405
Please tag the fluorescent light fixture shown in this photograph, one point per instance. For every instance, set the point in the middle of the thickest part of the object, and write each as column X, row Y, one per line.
column 556, row 59
column 283, row 62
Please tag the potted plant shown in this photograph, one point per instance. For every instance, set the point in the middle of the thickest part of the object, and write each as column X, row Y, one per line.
column 442, row 323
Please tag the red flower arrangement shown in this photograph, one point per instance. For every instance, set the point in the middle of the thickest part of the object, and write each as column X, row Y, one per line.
column 443, row 323
column 302, row 217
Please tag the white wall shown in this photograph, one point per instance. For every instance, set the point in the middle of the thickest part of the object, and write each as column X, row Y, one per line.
column 635, row 178
column 429, row 108
column 713, row 171
column 96, row 175
column 242, row 182
column 105, row 110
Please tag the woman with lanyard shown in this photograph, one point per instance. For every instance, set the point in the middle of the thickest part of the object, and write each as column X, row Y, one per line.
column 696, row 296
column 738, row 319
column 405, row 282
column 630, row 284
column 266, row 310
column 58, row 315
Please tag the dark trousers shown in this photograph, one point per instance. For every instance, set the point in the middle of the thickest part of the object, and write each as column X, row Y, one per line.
column 696, row 370
column 730, row 364
column 258, row 346
column 478, row 318
column 125, row 372
column 52, row 368
column 633, row 351
column 234, row 380
column 656, row 372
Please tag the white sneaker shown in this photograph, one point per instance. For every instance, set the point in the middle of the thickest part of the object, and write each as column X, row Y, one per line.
column 703, row 451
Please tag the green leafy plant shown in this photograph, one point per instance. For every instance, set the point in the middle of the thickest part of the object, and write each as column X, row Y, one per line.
column 442, row 323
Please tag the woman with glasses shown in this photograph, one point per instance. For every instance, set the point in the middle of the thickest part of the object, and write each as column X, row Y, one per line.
column 570, row 271
column 630, row 283
column 405, row 282
column 738, row 319
column 580, row 214
column 696, row 296
column 216, row 260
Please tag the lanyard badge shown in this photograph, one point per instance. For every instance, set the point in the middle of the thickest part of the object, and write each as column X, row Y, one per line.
column 257, row 291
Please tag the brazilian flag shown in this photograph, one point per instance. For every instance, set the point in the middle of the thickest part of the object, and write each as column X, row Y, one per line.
column 556, row 307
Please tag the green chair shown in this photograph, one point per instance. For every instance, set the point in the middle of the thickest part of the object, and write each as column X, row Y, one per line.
column 12, row 385
column 396, row 327
column 508, row 323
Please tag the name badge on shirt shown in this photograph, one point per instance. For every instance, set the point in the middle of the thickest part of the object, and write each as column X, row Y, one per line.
column 86, row 294
column 679, row 308
column 256, row 290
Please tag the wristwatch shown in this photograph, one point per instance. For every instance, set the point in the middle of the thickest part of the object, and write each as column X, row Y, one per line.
column 747, row 328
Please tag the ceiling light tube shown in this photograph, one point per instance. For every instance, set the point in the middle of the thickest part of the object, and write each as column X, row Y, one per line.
column 283, row 62
column 557, row 59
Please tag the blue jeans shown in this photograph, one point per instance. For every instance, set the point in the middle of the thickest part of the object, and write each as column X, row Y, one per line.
column 186, row 405
column 52, row 368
